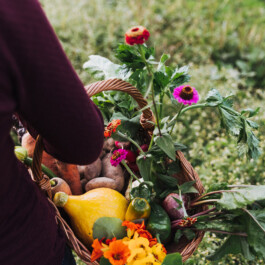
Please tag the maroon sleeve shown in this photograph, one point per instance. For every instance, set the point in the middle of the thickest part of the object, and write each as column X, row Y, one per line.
column 50, row 97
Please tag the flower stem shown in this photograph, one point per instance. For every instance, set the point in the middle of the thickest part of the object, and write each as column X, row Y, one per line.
column 175, row 118
column 129, row 170
column 204, row 212
column 203, row 105
column 151, row 142
column 211, row 193
column 151, row 86
column 202, row 202
column 132, row 141
column 182, row 205
column 222, row 232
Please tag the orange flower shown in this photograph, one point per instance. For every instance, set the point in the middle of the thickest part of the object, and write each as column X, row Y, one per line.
column 133, row 226
column 111, row 128
column 117, row 253
column 152, row 242
column 97, row 252
column 108, row 241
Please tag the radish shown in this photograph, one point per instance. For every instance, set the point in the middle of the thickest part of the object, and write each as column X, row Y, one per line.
column 172, row 207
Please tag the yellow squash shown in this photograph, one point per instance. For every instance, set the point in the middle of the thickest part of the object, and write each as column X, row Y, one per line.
column 85, row 209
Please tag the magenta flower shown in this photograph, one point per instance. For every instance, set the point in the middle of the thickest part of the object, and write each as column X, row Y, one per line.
column 186, row 95
column 118, row 156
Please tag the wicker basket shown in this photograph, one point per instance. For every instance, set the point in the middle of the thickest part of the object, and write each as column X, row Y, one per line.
column 187, row 173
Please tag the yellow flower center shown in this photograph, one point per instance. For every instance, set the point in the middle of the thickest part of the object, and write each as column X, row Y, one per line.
column 115, row 156
column 186, row 92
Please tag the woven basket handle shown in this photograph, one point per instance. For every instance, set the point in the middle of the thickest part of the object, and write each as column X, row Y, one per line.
column 147, row 119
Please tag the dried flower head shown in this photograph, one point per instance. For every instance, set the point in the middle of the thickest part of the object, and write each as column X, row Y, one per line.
column 137, row 35
column 111, row 128
column 186, row 94
column 117, row 157
column 189, row 221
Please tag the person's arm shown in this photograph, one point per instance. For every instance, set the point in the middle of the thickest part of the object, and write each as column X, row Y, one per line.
column 49, row 94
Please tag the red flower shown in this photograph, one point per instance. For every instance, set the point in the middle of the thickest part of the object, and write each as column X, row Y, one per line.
column 137, row 35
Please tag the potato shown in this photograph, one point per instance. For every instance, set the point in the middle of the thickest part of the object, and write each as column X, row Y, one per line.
column 100, row 183
column 109, row 145
column 90, row 171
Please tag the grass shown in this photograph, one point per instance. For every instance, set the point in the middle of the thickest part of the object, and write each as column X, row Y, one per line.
column 211, row 36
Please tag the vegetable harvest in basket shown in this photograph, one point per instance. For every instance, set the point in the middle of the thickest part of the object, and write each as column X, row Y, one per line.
column 156, row 206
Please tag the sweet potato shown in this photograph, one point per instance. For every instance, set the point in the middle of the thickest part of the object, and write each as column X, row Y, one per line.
column 68, row 172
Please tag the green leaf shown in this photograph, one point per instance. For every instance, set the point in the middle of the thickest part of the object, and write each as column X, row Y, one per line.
column 241, row 197
column 250, row 112
column 233, row 245
column 173, row 168
column 130, row 56
column 160, row 82
column 177, row 236
column 179, row 76
column 144, row 163
column 173, row 259
column 104, row 261
column 225, row 225
column 255, row 223
column 187, row 187
column 248, row 142
column 214, row 98
column 108, row 227
column 163, row 59
column 230, row 121
column 168, row 180
column 127, row 125
column 101, row 68
column 218, row 186
column 166, row 143
column 189, row 234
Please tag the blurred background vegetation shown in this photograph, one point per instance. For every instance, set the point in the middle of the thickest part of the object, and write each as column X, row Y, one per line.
column 223, row 42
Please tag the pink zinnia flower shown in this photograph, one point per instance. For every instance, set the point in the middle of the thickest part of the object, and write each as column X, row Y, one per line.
column 118, row 156
column 186, row 94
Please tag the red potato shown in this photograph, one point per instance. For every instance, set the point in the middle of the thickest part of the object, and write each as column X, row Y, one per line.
column 68, row 172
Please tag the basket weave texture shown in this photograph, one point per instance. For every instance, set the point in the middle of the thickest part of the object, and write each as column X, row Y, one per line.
column 187, row 173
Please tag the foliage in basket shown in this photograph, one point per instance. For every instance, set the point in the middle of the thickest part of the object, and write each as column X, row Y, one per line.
column 233, row 211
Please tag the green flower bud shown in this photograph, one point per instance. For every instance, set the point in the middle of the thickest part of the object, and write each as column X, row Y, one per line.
column 21, row 153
